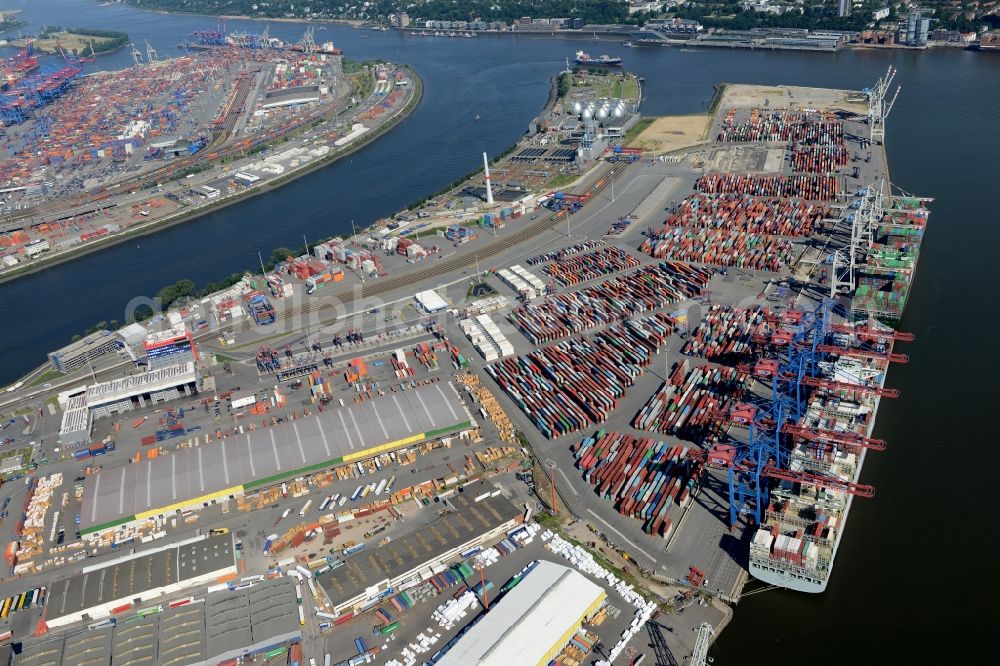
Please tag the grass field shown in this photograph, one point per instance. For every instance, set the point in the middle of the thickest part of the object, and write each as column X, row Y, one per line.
column 46, row 376
column 619, row 87
column 71, row 43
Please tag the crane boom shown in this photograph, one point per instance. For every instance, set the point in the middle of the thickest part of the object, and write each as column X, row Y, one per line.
column 872, row 334
column 863, row 353
column 859, row 489
column 847, row 386
column 840, row 439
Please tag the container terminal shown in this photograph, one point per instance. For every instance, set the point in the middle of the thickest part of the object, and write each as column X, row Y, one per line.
column 649, row 390
column 89, row 158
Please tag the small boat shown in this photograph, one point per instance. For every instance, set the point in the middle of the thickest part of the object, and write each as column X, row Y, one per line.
column 627, row 44
column 477, row 118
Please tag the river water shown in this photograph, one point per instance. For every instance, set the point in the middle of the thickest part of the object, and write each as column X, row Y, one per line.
column 914, row 575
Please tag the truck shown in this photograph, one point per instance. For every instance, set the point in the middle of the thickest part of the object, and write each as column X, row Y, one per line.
column 351, row 550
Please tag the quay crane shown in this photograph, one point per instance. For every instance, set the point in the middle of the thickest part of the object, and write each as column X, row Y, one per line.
column 802, row 340
column 878, row 107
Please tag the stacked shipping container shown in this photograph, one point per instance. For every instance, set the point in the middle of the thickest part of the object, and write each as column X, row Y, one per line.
column 687, row 403
column 642, row 477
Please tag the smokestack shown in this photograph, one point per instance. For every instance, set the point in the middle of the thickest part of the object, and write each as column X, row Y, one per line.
column 489, row 187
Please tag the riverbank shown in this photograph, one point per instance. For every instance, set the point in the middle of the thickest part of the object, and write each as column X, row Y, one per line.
column 189, row 214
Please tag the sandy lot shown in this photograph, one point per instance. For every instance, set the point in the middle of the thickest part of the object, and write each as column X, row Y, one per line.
column 790, row 97
column 670, row 133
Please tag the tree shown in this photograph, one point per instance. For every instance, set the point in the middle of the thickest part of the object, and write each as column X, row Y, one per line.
column 167, row 295
column 280, row 254
column 184, row 288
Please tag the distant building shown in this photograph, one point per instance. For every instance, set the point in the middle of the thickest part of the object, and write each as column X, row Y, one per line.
column 36, row 247
column 844, row 8
column 528, row 24
column 403, row 20
column 917, row 28
column 636, row 6
column 880, row 13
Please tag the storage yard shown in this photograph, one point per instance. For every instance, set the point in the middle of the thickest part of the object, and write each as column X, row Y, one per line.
column 86, row 158
column 655, row 403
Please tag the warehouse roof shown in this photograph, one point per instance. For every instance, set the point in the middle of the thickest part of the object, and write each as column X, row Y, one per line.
column 251, row 617
column 135, row 643
column 123, row 388
column 469, row 520
column 525, row 625
column 297, row 95
column 217, row 628
column 325, row 439
column 181, row 638
column 128, row 578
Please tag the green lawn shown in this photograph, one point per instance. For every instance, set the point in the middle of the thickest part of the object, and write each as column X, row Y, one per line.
column 636, row 130
column 47, row 376
column 559, row 181
column 619, row 87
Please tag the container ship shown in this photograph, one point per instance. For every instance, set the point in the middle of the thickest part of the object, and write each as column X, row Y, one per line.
column 802, row 525
column 606, row 60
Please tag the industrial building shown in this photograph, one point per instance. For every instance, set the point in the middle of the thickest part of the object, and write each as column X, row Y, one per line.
column 88, row 348
column 531, row 623
column 194, row 477
column 289, row 96
column 224, row 625
column 102, row 589
column 126, row 393
column 76, row 421
column 404, row 562
column 170, row 347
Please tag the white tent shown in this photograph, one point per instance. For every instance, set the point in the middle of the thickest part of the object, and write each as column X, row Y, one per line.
column 430, row 301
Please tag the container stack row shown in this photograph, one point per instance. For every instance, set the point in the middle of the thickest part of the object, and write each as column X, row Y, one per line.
column 813, row 187
column 686, row 404
column 557, row 255
column 720, row 247
column 643, row 478
column 524, row 288
column 447, row 578
column 727, row 334
column 487, row 338
column 819, row 159
column 649, row 288
column 763, row 216
column 563, row 388
column 783, row 126
column 582, row 267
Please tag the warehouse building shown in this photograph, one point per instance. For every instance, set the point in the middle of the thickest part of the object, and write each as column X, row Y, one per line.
column 126, row 393
column 531, row 623
column 193, row 478
column 289, row 96
column 223, row 626
column 101, row 589
column 405, row 561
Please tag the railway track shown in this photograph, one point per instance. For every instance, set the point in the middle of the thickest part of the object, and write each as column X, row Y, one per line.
column 442, row 267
